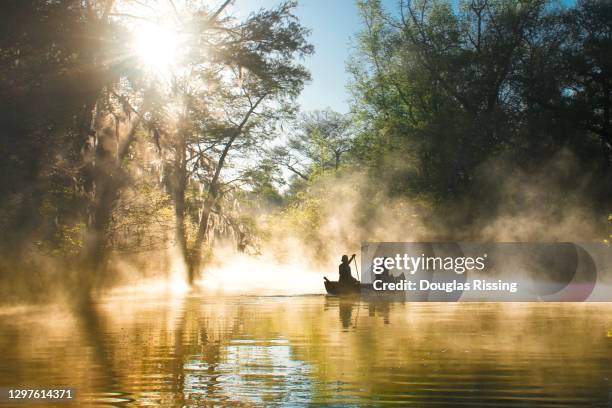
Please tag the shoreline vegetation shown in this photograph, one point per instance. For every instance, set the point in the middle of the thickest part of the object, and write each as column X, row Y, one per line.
column 139, row 141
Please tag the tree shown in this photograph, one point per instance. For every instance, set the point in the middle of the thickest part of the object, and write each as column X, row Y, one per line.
column 318, row 143
column 85, row 124
column 58, row 65
column 443, row 90
column 439, row 85
column 230, row 101
column 587, row 88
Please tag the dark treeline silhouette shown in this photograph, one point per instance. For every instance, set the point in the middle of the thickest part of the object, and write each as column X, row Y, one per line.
column 449, row 89
column 104, row 160
column 466, row 119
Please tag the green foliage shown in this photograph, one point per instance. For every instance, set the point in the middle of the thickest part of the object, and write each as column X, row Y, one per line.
column 441, row 91
column 70, row 240
column 320, row 141
column 103, row 156
column 100, row 156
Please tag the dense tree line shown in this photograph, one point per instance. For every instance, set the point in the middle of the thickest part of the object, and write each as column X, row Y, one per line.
column 447, row 88
column 102, row 156
column 451, row 103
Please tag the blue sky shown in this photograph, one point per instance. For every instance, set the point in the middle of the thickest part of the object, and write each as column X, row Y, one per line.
column 333, row 23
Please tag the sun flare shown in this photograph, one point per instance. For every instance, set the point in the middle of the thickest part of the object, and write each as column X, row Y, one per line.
column 158, row 47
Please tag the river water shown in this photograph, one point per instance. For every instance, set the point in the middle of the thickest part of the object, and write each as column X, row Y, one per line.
column 198, row 350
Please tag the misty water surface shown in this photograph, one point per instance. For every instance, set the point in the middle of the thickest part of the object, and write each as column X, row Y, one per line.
column 194, row 350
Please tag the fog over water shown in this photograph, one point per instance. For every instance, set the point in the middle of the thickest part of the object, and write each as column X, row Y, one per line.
column 188, row 349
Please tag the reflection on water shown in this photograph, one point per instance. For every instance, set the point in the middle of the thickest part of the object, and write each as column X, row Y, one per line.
column 196, row 350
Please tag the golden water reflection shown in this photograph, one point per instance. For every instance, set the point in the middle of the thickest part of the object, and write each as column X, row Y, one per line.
column 195, row 350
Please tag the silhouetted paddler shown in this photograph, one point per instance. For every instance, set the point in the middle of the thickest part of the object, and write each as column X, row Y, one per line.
column 344, row 269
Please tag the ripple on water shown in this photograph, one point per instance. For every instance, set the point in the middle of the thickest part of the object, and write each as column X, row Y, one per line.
column 193, row 351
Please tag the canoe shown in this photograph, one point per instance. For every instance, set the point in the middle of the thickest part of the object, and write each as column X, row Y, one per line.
column 364, row 289
column 337, row 288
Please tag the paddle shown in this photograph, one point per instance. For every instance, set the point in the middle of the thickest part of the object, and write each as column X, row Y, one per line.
column 357, row 269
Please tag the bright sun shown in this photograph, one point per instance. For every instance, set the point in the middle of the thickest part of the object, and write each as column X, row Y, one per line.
column 158, row 47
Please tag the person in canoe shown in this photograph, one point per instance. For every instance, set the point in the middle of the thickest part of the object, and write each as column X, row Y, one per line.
column 344, row 269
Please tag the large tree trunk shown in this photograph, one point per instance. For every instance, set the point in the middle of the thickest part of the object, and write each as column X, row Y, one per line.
column 181, row 233
column 105, row 179
column 203, row 230
column 178, row 186
column 96, row 244
column 179, row 215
